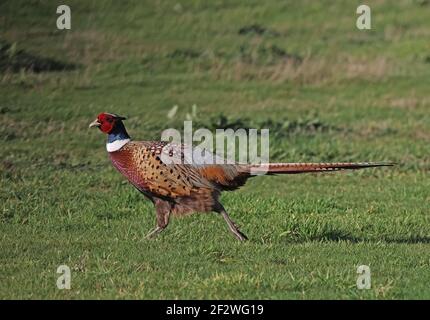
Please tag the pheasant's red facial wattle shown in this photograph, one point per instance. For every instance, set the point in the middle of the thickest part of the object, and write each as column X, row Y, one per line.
column 107, row 122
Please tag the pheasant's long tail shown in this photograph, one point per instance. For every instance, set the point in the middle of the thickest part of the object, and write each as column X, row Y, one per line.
column 294, row 168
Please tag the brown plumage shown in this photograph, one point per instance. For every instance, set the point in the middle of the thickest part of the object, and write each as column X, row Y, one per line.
column 186, row 187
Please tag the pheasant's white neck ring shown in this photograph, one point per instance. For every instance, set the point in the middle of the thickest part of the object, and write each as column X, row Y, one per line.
column 117, row 138
column 116, row 145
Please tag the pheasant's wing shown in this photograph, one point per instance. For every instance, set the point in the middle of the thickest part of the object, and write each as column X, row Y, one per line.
column 204, row 168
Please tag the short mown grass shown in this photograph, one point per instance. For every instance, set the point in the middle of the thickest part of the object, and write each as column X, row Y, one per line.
column 327, row 91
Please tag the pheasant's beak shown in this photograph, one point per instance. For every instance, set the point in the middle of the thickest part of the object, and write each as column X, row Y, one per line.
column 95, row 123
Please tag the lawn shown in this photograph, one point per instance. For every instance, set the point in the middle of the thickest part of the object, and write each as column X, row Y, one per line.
column 326, row 90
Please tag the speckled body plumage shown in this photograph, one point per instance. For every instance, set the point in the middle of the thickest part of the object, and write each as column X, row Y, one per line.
column 182, row 187
column 188, row 188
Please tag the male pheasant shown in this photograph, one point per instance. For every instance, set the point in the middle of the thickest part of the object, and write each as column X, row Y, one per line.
column 182, row 188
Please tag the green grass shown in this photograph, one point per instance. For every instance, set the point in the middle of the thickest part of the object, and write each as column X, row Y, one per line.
column 63, row 203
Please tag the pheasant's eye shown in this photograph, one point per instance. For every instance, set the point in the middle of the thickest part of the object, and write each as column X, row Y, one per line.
column 110, row 120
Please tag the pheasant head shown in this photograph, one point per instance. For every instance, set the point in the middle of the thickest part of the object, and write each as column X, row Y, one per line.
column 112, row 125
column 107, row 122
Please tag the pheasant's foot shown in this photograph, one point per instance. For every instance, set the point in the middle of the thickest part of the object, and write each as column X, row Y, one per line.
column 233, row 227
column 153, row 233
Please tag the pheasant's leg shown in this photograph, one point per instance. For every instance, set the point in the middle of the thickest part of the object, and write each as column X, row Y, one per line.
column 154, row 232
column 163, row 213
column 232, row 226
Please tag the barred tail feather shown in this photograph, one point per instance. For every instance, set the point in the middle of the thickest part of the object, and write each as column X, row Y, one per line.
column 295, row 168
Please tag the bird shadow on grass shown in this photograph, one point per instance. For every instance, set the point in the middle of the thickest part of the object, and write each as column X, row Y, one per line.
column 340, row 236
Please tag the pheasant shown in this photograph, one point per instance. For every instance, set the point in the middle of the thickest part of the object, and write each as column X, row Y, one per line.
column 183, row 188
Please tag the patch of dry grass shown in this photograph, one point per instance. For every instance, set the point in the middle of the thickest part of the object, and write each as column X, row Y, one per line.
column 311, row 70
